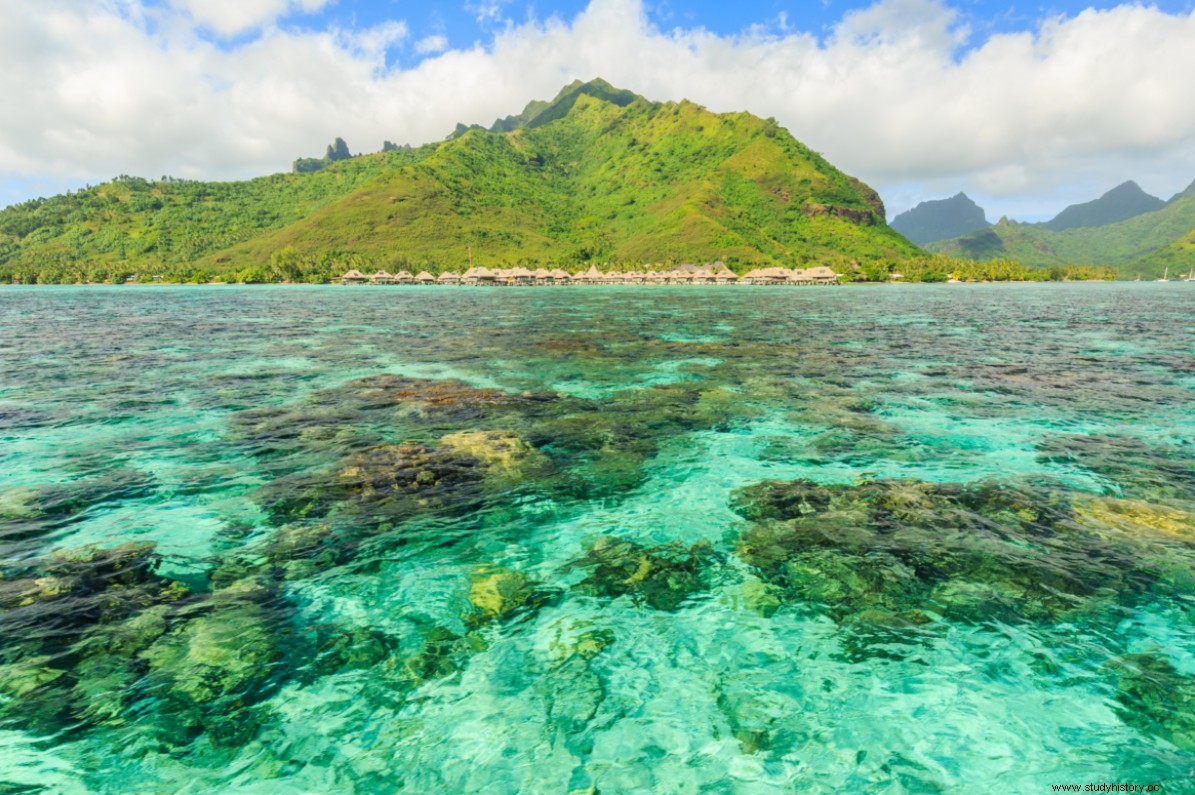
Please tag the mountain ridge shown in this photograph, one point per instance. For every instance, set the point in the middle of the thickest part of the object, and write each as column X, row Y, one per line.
column 1142, row 245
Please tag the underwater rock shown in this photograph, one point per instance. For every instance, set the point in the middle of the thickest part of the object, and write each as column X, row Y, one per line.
column 1156, row 698
column 440, row 653
column 573, row 694
column 662, row 577
column 342, row 648
column 754, row 713
column 402, row 468
column 495, row 592
column 291, row 552
column 1137, row 518
column 382, row 484
column 35, row 694
column 81, row 586
column 31, row 513
column 1141, row 470
column 71, row 624
column 756, row 596
column 113, row 485
column 773, row 499
column 985, row 551
column 507, row 459
column 222, row 656
column 20, row 503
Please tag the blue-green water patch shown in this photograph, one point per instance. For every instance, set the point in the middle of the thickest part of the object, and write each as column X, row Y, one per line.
column 859, row 540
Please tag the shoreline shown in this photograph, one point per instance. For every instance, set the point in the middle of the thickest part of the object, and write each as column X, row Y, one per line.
column 134, row 285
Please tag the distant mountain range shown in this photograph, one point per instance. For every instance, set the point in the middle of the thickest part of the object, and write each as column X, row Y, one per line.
column 596, row 174
column 1144, row 244
column 1139, row 234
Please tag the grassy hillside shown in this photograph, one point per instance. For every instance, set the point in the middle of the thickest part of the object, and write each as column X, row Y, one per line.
column 1135, row 246
column 133, row 225
column 598, row 174
column 1177, row 258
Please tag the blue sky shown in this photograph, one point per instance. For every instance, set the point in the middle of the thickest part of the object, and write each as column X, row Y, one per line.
column 1027, row 107
column 465, row 23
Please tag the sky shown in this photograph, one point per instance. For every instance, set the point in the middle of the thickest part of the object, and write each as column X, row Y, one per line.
column 1025, row 106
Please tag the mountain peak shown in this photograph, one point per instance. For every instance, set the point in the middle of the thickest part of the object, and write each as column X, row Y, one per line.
column 539, row 112
column 941, row 219
column 1124, row 201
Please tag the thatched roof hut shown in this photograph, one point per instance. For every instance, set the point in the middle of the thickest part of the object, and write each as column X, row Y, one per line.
column 725, row 276
column 354, row 276
column 821, row 274
column 382, row 277
column 425, row 278
column 520, row 275
column 449, row 277
column 404, row 277
column 766, row 276
column 561, row 275
column 479, row 276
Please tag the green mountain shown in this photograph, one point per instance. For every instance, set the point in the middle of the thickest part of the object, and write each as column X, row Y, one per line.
column 1122, row 202
column 942, row 219
column 597, row 174
column 1143, row 245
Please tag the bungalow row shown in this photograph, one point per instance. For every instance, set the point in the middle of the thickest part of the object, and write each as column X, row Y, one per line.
column 717, row 273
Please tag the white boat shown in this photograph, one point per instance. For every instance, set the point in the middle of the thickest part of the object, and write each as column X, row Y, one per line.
column 1190, row 277
column 1165, row 276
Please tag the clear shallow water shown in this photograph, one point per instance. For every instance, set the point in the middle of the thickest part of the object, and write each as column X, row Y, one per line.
column 514, row 541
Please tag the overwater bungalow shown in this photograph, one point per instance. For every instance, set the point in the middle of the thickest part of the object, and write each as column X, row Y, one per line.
column 520, row 276
column 766, row 276
column 821, row 274
column 479, row 276
column 712, row 273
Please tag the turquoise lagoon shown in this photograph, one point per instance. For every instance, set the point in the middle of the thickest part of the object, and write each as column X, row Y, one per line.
column 885, row 539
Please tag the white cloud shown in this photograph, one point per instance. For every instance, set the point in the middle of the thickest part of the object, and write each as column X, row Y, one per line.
column 230, row 17
column 1064, row 111
column 431, row 45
